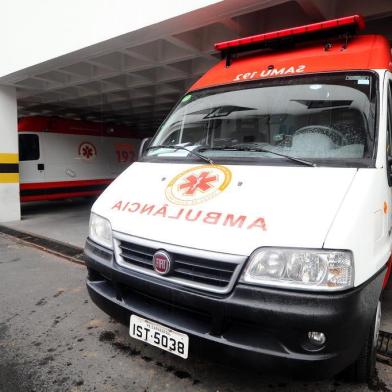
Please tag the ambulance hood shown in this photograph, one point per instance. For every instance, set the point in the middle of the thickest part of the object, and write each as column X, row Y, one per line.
column 232, row 209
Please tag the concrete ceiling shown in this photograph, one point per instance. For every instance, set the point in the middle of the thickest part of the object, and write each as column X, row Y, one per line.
column 135, row 79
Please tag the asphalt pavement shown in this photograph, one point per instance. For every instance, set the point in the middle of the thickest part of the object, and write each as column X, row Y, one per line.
column 52, row 338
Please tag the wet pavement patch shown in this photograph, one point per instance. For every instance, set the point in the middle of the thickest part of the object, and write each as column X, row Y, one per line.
column 107, row 336
column 58, row 319
column 58, row 293
column 44, row 361
column 126, row 349
column 78, row 382
column 41, row 302
column 182, row 374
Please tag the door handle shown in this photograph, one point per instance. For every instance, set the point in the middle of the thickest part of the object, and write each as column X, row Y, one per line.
column 41, row 166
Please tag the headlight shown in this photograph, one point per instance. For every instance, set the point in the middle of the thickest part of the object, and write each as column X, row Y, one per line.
column 309, row 269
column 100, row 231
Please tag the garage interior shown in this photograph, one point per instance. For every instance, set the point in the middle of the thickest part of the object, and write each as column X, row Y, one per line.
column 135, row 79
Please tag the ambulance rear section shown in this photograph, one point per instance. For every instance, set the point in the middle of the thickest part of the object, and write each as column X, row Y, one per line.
column 62, row 158
column 258, row 223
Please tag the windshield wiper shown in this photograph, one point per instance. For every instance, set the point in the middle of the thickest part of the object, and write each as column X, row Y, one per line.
column 174, row 147
column 239, row 147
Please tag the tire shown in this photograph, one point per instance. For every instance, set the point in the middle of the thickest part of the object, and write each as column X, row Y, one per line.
column 364, row 368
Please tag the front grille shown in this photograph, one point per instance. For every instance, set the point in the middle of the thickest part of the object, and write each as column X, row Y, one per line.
column 186, row 268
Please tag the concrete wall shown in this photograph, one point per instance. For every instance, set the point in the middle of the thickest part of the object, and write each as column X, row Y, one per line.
column 9, row 176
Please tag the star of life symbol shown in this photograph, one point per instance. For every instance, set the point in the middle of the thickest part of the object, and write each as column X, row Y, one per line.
column 203, row 182
column 87, row 151
column 198, row 184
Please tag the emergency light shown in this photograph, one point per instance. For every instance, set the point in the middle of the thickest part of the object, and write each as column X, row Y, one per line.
column 346, row 25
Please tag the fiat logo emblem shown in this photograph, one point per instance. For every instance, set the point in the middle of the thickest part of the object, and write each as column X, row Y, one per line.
column 161, row 262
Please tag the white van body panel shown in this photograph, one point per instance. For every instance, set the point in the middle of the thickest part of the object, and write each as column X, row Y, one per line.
column 298, row 205
column 364, row 221
column 363, row 225
column 60, row 155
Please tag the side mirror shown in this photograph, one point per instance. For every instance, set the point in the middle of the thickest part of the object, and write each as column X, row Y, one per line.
column 143, row 146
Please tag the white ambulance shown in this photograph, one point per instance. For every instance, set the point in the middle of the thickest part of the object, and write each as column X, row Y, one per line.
column 258, row 221
column 61, row 158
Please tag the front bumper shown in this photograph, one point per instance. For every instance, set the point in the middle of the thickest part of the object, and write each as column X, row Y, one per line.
column 261, row 326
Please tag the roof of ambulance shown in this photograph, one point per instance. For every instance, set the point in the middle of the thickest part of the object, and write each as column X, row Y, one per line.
column 363, row 52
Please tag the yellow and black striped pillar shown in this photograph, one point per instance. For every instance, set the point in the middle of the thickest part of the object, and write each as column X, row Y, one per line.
column 9, row 187
column 9, row 168
column 9, row 158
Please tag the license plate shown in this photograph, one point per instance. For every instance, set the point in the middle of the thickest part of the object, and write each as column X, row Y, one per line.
column 159, row 336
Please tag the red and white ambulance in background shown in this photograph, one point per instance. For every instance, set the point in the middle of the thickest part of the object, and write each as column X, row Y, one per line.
column 62, row 158
column 258, row 221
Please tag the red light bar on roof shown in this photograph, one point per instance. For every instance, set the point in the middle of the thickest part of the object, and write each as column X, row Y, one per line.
column 354, row 22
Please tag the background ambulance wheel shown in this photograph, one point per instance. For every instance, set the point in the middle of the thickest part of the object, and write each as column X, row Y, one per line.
column 363, row 369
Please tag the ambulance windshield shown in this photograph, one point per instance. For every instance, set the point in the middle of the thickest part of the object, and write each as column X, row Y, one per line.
column 328, row 118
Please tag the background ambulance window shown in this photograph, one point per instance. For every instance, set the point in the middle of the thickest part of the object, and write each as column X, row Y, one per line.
column 28, row 147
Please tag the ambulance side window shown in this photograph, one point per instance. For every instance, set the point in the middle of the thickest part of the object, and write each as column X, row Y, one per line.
column 28, row 147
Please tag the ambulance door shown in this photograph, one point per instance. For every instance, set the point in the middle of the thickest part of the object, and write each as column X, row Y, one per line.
column 31, row 158
column 73, row 157
column 94, row 157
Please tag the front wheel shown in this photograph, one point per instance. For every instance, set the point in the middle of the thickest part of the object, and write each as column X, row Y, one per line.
column 363, row 369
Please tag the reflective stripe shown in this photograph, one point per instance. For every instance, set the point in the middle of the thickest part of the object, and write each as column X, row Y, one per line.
column 9, row 178
column 59, row 196
column 65, row 184
column 9, row 158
